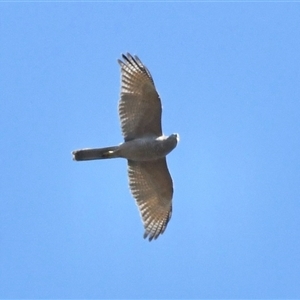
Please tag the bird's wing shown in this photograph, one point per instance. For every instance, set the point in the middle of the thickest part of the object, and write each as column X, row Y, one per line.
column 140, row 105
column 152, row 187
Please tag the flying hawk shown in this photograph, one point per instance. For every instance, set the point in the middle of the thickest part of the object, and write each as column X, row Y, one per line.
column 144, row 146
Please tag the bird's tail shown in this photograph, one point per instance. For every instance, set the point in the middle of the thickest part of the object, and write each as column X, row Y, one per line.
column 98, row 153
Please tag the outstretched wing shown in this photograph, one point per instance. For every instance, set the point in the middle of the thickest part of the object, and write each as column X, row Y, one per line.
column 140, row 105
column 152, row 187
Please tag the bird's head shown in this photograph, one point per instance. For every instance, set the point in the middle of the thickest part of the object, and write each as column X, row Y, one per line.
column 173, row 139
column 176, row 135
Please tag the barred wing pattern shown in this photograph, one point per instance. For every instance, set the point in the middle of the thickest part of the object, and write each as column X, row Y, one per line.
column 140, row 105
column 151, row 185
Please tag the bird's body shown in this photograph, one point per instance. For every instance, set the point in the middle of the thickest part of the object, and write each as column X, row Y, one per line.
column 140, row 149
column 144, row 146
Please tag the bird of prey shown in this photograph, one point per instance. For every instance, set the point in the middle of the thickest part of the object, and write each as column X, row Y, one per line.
column 144, row 146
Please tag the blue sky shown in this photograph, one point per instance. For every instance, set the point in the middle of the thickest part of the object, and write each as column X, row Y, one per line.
column 228, row 75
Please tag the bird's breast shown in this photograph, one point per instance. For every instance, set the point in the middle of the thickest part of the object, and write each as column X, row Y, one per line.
column 145, row 149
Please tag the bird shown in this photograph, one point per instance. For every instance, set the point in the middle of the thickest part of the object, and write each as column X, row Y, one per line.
column 144, row 146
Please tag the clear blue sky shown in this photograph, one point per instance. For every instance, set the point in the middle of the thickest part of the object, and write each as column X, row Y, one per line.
column 229, row 79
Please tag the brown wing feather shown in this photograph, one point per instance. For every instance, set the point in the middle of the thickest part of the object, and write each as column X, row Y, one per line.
column 152, row 187
column 140, row 105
